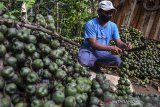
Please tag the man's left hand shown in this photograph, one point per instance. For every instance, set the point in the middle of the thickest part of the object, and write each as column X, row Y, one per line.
column 128, row 45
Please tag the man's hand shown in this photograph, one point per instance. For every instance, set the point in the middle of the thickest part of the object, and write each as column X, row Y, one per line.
column 115, row 50
column 123, row 45
column 128, row 45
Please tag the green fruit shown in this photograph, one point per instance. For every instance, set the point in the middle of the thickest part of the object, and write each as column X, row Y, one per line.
column 72, row 84
column 46, row 74
column 84, row 80
column 105, row 86
column 59, row 87
column 70, row 101
column 158, row 46
column 55, row 44
column 21, row 104
column 35, row 55
column 42, row 91
column 23, row 35
column 80, row 88
column 88, row 88
column 14, row 78
column 21, row 57
column 7, row 44
column 47, row 38
column 5, row 102
column 70, row 69
column 59, row 62
column 127, row 82
column 11, row 33
column 128, row 91
column 36, row 103
column 45, row 49
column 60, row 74
column 11, row 88
column 3, row 51
column 3, row 29
column 18, row 46
column 32, row 39
column 70, row 91
column 25, row 71
column 77, row 67
column 54, row 54
column 100, row 78
column 7, row 72
column 16, row 98
column 46, row 61
column 85, row 97
column 98, row 92
column 95, row 84
column 58, row 97
column 11, row 61
column 30, row 89
column 94, row 101
column 32, row 77
column 79, row 99
column 37, row 64
column 69, row 79
column 30, row 48
column 49, row 104
column 107, row 96
column 53, row 67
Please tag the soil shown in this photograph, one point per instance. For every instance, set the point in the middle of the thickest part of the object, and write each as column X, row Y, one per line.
column 146, row 90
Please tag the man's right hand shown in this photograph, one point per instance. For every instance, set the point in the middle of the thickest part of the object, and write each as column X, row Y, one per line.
column 115, row 50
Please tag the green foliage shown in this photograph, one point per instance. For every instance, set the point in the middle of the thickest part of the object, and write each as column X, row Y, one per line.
column 74, row 14
column 69, row 15
column 2, row 6
column 29, row 3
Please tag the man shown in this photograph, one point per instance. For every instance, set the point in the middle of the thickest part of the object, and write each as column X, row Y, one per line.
column 96, row 50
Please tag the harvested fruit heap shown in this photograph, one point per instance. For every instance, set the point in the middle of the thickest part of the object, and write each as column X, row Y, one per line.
column 38, row 70
column 144, row 64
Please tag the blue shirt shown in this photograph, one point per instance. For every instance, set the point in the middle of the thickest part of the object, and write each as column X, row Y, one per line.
column 104, row 34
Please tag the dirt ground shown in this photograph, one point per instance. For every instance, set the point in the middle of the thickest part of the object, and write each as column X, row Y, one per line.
column 147, row 90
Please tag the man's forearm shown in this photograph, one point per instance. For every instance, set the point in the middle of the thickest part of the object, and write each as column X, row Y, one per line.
column 121, row 44
column 100, row 47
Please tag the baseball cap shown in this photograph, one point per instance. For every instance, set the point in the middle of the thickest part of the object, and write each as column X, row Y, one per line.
column 106, row 5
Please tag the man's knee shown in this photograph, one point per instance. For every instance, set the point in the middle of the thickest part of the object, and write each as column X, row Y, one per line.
column 118, row 60
column 86, row 58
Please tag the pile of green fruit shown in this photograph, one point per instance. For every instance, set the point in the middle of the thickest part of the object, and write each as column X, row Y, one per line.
column 144, row 64
column 37, row 71
column 72, row 49
column 102, row 90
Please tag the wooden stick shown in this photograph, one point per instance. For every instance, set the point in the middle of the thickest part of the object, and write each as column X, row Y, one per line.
column 36, row 27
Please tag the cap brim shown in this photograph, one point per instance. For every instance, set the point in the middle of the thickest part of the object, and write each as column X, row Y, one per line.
column 108, row 9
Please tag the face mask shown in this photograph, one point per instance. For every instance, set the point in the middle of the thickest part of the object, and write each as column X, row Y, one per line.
column 105, row 18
